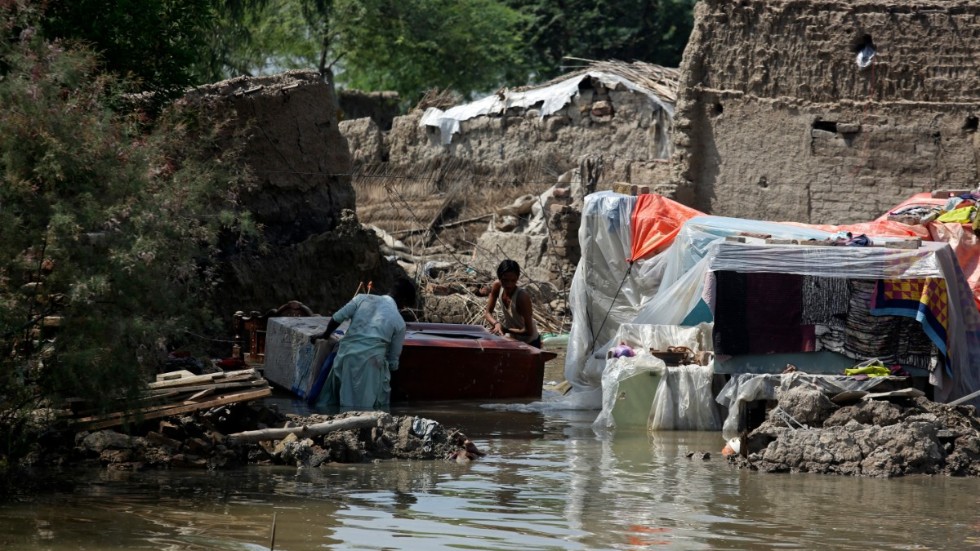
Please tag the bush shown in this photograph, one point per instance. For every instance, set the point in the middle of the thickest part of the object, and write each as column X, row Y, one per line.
column 108, row 224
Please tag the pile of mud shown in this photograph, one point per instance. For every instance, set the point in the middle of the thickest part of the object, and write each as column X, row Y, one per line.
column 214, row 440
column 808, row 432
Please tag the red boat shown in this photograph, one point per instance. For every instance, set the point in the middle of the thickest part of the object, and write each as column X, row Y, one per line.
column 439, row 361
column 444, row 361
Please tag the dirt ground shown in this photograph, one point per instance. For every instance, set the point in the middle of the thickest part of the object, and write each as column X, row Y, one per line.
column 554, row 370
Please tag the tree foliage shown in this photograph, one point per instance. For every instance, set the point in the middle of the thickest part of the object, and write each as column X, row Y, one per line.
column 655, row 31
column 105, row 231
column 408, row 46
column 159, row 45
column 413, row 45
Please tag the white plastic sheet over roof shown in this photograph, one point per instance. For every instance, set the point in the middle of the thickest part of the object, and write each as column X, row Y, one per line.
column 552, row 98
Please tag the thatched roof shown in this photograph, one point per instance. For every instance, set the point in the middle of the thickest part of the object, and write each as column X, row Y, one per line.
column 662, row 80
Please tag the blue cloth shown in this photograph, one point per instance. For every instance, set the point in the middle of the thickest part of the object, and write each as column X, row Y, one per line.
column 360, row 377
column 321, row 380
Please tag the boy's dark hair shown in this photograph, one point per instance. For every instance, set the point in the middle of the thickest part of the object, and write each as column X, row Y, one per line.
column 508, row 266
column 403, row 291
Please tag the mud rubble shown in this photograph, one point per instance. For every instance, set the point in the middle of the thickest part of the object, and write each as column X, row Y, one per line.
column 208, row 440
column 874, row 438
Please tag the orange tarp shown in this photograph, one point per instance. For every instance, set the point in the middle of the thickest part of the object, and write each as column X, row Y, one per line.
column 878, row 228
column 655, row 222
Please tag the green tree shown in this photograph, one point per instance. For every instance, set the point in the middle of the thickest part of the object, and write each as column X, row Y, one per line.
column 159, row 45
column 655, row 31
column 409, row 46
column 469, row 46
column 106, row 233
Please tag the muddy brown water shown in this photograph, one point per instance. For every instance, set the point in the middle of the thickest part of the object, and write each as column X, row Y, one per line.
column 548, row 482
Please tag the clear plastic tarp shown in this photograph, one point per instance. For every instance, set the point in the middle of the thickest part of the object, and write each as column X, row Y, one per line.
column 549, row 99
column 683, row 398
column 666, row 289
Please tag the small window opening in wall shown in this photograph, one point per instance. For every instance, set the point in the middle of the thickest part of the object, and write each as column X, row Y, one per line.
column 763, row 182
column 865, row 49
column 829, row 126
column 971, row 123
column 718, row 109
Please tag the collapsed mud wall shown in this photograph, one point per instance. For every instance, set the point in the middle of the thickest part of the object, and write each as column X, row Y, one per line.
column 777, row 120
column 317, row 253
column 616, row 124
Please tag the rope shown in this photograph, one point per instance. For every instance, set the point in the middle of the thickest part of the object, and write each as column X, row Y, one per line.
column 595, row 336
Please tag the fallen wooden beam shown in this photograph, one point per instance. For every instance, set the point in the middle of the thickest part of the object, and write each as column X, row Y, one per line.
column 349, row 423
column 452, row 224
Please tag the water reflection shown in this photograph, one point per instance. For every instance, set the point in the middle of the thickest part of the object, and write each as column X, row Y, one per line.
column 548, row 482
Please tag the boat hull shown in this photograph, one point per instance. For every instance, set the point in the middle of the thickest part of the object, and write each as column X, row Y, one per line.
column 442, row 361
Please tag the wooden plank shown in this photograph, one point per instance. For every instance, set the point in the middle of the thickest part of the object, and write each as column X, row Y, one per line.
column 196, row 397
column 195, row 379
column 115, row 419
column 348, row 423
column 216, row 386
column 173, row 375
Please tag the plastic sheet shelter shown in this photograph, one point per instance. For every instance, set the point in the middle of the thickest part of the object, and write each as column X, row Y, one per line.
column 670, row 288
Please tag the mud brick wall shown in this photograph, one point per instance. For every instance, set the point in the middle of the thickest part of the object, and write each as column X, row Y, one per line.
column 317, row 252
column 618, row 125
column 777, row 120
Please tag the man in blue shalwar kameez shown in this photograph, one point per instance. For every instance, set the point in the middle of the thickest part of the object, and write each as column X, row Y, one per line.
column 360, row 378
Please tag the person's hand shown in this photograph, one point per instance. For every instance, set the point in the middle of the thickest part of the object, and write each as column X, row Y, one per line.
column 314, row 338
column 498, row 329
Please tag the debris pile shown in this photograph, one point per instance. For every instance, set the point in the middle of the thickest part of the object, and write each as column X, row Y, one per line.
column 895, row 436
column 181, row 392
column 213, row 439
column 454, row 293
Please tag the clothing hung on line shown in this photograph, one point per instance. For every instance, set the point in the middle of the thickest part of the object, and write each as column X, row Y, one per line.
column 891, row 339
column 360, row 378
column 759, row 313
column 511, row 316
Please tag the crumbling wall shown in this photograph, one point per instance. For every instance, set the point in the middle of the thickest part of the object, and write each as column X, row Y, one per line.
column 616, row 124
column 777, row 120
column 317, row 252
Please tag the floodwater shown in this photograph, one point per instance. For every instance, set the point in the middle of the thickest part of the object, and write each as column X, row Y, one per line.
column 548, row 482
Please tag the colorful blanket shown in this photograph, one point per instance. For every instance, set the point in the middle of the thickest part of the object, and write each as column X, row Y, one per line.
column 926, row 300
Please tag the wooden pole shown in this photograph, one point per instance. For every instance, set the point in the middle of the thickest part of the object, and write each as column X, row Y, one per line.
column 349, row 423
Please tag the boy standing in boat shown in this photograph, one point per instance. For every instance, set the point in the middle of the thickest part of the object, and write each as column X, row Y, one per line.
column 515, row 317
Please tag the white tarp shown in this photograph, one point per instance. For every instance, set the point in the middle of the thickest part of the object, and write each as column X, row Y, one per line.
column 683, row 399
column 552, row 98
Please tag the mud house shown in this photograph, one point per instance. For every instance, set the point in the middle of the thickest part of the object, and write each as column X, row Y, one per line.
column 286, row 129
column 454, row 163
column 826, row 111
